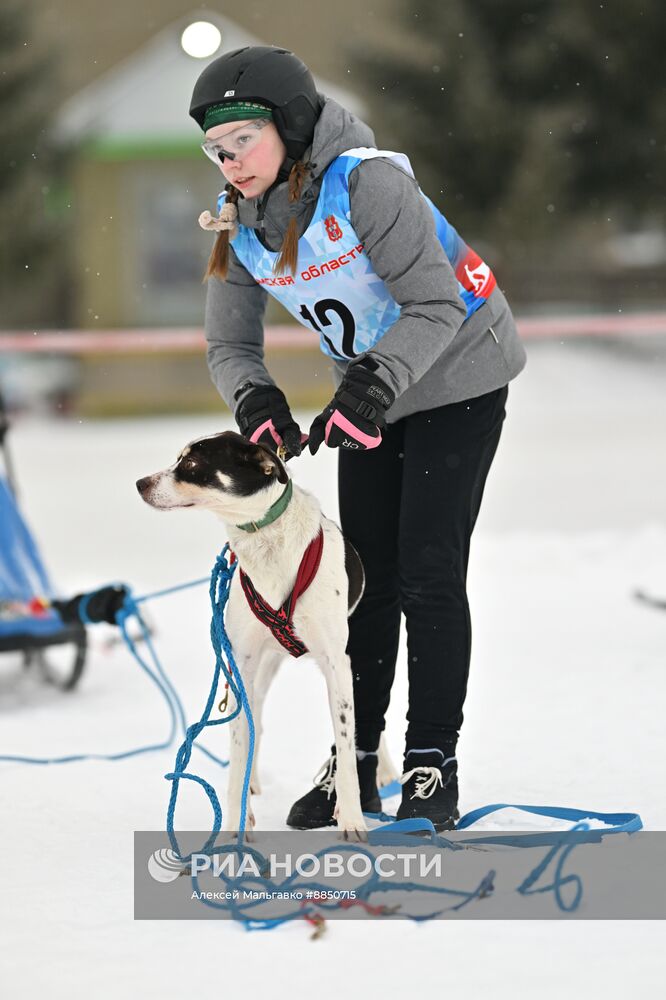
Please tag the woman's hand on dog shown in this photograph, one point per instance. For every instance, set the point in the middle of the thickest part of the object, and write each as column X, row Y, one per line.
column 263, row 416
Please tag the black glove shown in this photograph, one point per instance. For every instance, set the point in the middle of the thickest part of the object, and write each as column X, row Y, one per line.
column 264, row 417
column 355, row 416
column 102, row 605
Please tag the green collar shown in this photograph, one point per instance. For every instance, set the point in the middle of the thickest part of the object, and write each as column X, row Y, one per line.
column 273, row 512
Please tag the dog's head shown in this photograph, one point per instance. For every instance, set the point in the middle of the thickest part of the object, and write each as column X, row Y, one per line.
column 225, row 473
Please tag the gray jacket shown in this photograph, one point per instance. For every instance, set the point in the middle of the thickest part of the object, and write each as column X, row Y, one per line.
column 431, row 355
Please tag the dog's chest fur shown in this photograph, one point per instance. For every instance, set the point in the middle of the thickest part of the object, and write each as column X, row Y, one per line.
column 272, row 555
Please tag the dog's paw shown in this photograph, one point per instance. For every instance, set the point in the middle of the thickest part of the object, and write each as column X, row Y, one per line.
column 248, row 836
column 352, row 828
column 386, row 774
column 354, row 835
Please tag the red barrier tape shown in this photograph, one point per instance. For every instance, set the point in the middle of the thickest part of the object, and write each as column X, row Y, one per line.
column 146, row 340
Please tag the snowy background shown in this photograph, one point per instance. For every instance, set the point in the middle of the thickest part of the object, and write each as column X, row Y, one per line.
column 565, row 704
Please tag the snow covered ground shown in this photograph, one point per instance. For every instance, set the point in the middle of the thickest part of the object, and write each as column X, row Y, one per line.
column 565, row 705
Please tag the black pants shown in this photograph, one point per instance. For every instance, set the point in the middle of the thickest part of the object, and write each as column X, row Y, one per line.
column 409, row 508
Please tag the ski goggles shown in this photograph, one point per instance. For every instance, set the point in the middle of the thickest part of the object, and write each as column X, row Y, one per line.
column 237, row 143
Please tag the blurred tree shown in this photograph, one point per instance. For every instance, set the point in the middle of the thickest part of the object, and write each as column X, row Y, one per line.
column 524, row 115
column 32, row 237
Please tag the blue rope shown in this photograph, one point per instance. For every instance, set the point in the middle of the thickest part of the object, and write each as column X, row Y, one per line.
column 585, row 834
column 391, row 832
column 220, row 641
column 172, row 590
column 403, row 832
column 220, row 582
column 375, row 883
column 155, row 672
column 525, row 888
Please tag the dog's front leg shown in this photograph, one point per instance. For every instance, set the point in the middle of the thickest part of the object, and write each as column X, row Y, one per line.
column 341, row 700
column 268, row 665
column 239, row 748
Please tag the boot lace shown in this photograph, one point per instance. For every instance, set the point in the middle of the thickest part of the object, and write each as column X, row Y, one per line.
column 325, row 777
column 427, row 779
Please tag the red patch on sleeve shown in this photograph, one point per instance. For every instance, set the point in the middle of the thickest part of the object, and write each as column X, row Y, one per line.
column 475, row 275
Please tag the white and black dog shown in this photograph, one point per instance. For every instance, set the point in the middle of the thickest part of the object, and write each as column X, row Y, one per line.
column 298, row 581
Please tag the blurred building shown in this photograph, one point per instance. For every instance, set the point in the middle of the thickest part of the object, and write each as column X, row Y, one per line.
column 140, row 181
column 95, row 37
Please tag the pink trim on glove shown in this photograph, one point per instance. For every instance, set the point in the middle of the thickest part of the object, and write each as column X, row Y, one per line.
column 347, row 427
column 266, row 426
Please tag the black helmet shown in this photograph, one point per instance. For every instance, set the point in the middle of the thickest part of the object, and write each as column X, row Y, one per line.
column 274, row 77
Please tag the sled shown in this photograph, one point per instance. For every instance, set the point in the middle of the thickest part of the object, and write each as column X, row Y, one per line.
column 29, row 625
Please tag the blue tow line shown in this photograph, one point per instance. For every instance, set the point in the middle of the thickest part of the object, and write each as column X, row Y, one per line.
column 220, row 583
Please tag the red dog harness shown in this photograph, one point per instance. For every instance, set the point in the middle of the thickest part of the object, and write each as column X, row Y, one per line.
column 280, row 622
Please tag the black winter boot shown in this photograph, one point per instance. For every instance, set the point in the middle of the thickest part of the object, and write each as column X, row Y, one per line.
column 430, row 789
column 316, row 808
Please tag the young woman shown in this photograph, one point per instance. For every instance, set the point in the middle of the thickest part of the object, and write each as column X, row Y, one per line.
column 423, row 345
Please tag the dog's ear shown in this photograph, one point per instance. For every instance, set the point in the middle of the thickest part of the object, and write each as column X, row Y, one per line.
column 272, row 465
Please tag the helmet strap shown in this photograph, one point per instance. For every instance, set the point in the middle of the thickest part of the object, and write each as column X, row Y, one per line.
column 285, row 170
column 261, row 206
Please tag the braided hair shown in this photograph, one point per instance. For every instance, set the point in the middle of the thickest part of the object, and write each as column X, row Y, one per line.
column 218, row 262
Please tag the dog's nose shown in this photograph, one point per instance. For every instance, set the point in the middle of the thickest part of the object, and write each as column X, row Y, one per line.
column 143, row 484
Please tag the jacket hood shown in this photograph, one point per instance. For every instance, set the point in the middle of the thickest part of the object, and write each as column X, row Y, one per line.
column 335, row 131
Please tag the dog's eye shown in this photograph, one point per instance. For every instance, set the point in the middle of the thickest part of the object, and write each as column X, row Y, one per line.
column 187, row 465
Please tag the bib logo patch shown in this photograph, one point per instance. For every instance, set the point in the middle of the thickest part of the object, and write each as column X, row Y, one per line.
column 332, row 228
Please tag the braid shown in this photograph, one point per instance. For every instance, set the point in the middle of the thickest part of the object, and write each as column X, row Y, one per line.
column 218, row 262
column 288, row 258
